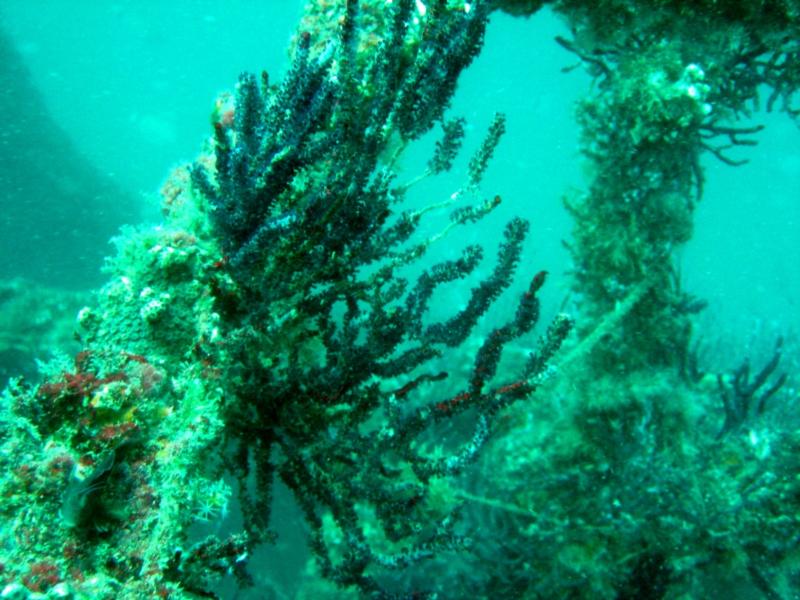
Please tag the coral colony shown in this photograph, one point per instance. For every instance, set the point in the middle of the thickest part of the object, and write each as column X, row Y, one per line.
column 279, row 326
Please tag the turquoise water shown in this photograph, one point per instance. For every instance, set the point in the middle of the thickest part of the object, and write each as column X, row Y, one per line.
column 123, row 92
column 131, row 85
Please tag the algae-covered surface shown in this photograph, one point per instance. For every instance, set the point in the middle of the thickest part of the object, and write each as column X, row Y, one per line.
column 438, row 299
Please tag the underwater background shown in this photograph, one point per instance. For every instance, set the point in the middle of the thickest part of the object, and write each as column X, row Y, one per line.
column 103, row 99
column 130, row 85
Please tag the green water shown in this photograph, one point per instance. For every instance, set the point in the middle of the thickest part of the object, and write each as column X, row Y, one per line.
column 131, row 84
column 103, row 99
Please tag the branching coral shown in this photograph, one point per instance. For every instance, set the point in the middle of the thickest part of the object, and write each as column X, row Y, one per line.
column 324, row 362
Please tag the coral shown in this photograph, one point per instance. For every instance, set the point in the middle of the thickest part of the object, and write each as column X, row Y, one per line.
column 664, row 96
column 282, row 324
column 643, row 475
column 264, row 330
column 744, row 397
column 300, row 202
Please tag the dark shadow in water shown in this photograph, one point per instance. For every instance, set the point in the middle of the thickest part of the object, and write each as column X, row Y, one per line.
column 57, row 212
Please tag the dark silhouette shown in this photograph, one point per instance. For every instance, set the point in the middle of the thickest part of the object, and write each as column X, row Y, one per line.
column 58, row 212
